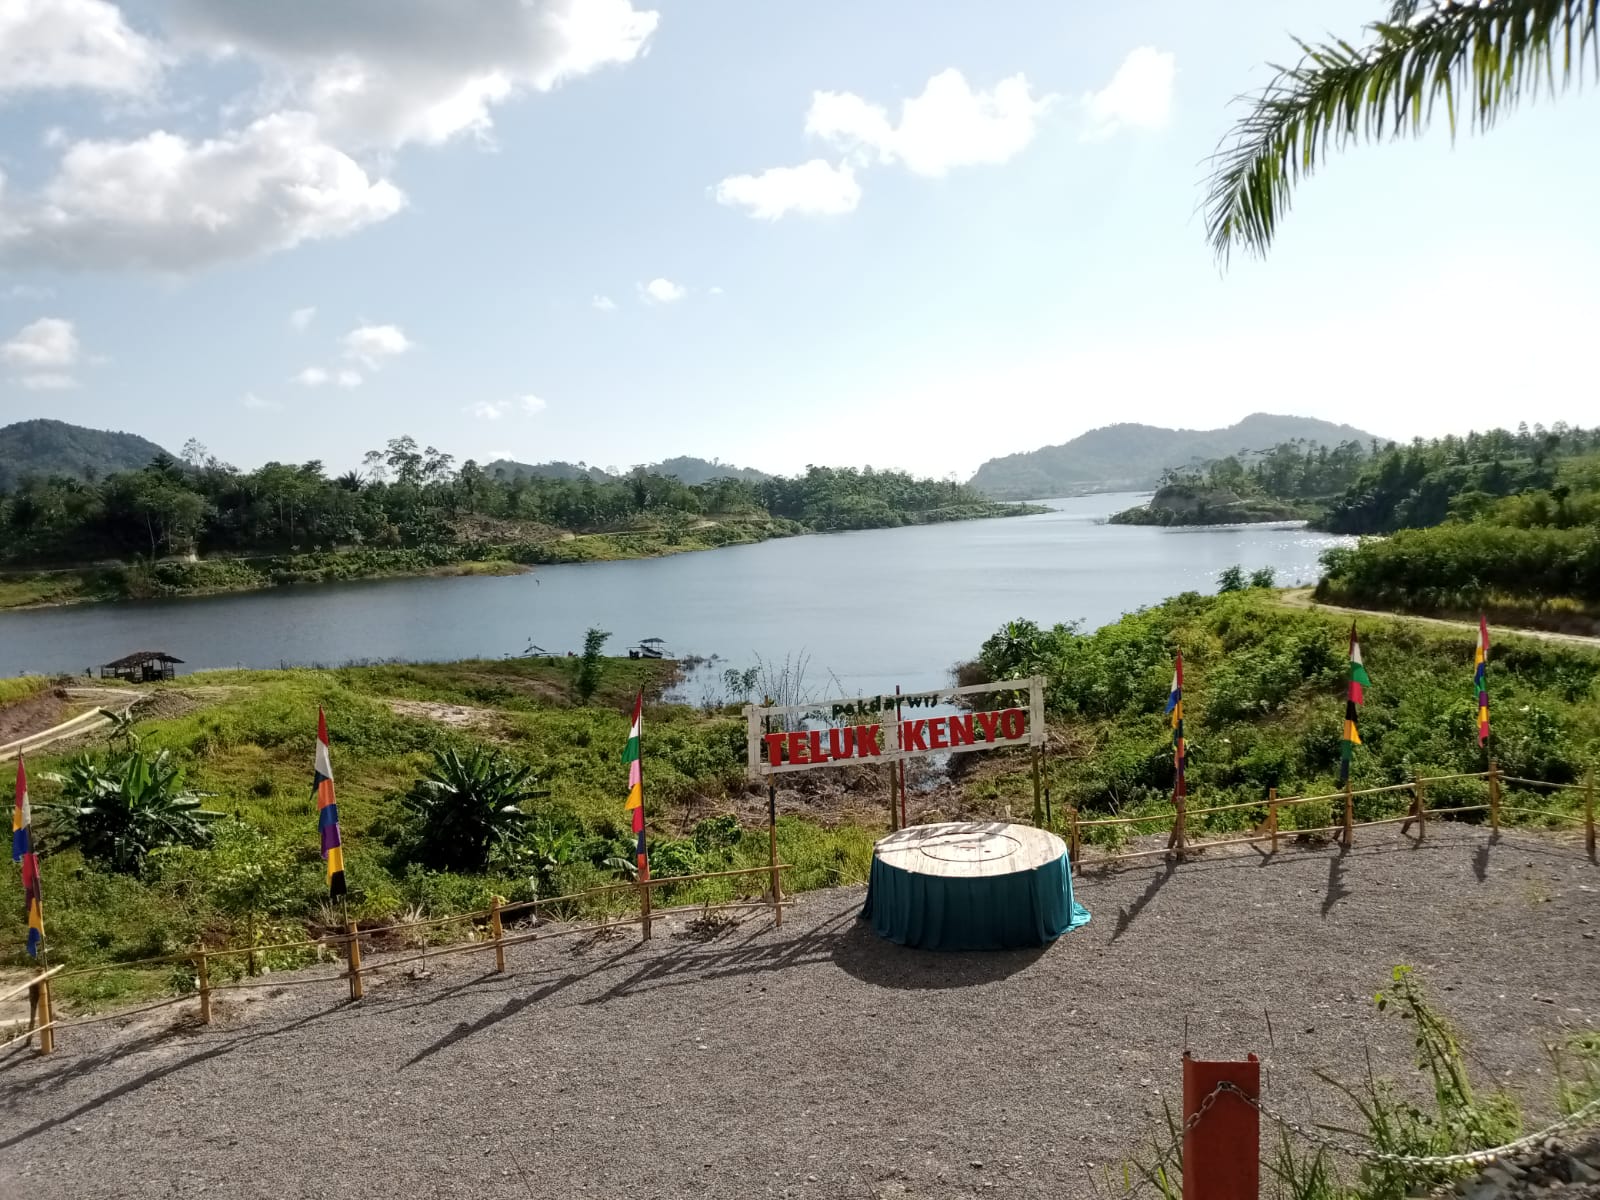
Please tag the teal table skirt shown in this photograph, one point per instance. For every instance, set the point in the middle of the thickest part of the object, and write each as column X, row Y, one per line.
column 998, row 912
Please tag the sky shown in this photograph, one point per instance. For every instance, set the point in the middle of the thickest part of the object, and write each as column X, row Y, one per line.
column 906, row 234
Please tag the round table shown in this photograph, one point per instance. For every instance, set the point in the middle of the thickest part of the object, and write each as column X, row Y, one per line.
column 967, row 885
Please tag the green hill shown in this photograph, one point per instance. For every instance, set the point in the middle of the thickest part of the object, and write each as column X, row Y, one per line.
column 687, row 470
column 1131, row 457
column 43, row 447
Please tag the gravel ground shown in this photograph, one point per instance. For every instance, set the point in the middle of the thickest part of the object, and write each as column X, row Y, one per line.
column 816, row 1060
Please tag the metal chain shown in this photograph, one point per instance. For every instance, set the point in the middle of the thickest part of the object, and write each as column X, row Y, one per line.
column 1589, row 1112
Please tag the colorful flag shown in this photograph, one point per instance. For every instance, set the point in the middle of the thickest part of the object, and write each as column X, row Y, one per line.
column 328, row 811
column 1359, row 683
column 1481, row 678
column 635, row 805
column 1180, row 747
column 22, row 851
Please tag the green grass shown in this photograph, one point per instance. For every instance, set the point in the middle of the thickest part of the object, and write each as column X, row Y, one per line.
column 20, row 687
column 249, row 745
column 1264, row 702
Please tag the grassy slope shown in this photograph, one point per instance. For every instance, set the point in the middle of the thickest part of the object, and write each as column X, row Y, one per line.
column 1263, row 698
column 23, row 589
column 246, row 738
column 1263, row 705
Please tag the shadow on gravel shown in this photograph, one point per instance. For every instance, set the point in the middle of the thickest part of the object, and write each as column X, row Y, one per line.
column 860, row 953
column 1336, row 890
column 723, row 959
column 515, row 1005
column 157, row 1074
column 1129, row 915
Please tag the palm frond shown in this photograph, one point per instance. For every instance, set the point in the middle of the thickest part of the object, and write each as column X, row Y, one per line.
column 1481, row 57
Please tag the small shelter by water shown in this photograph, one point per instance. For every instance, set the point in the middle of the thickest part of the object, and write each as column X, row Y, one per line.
column 142, row 666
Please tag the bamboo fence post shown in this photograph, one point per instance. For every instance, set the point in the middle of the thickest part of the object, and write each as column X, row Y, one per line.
column 894, row 791
column 47, row 1034
column 250, row 968
column 644, row 909
column 1494, row 795
column 1588, row 817
column 1072, row 839
column 1038, row 791
column 1421, row 802
column 772, row 857
column 354, row 944
column 203, row 982
column 1272, row 817
column 1349, row 815
column 494, row 927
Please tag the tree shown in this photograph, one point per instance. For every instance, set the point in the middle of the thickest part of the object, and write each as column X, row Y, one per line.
column 469, row 808
column 1264, row 577
column 1478, row 55
column 117, row 813
column 587, row 670
column 1231, row 579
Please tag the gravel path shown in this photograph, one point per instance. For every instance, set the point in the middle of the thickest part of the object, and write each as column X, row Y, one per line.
column 818, row 1061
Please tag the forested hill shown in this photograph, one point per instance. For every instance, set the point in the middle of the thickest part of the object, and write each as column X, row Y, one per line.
column 44, row 448
column 684, row 469
column 416, row 506
column 1130, row 457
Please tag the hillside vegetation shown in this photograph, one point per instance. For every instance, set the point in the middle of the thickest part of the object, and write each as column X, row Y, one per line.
column 1131, row 457
column 1264, row 693
column 44, row 447
column 202, row 525
column 1507, row 523
column 243, row 742
column 685, row 469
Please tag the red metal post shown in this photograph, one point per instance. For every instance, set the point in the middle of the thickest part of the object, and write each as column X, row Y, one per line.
column 1221, row 1150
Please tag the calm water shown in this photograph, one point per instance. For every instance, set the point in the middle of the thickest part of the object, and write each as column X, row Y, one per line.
column 874, row 608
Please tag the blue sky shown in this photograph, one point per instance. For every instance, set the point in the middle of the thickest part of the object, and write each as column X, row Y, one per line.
column 296, row 230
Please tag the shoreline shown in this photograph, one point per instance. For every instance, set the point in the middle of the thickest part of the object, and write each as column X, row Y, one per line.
column 236, row 576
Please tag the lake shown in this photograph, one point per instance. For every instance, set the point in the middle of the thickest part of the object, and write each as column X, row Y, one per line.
column 870, row 609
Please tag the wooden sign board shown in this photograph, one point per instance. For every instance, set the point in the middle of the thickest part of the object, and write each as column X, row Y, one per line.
column 865, row 729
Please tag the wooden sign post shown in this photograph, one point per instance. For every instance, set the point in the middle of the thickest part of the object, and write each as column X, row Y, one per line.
column 1222, row 1144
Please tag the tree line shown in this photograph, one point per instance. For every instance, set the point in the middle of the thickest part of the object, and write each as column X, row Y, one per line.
column 408, row 496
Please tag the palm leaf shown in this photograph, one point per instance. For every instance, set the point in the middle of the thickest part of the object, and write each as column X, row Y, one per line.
column 1485, row 54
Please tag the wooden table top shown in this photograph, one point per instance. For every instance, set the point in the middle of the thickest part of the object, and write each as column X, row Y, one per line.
column 969, row 849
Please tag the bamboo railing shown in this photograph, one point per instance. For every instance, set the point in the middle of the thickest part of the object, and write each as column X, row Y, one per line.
column 1179, row 844
column 44, row 1023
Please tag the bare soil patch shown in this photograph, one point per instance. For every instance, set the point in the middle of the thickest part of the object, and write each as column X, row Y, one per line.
column 816, row 1060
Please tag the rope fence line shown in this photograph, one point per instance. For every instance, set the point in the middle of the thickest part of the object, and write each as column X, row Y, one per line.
column 1269, row 831
column 44, row 1023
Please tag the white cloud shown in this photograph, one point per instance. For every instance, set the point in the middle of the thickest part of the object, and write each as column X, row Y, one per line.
column 603, row 303
column 948, row 125
column 27, row 291
column 59, row 44
column 300, row 319
column 49, row 342
column 47, row 381
column 816, row 188
column 256, row 404
column 348, row 379
column 494, row 410
column 388, row 72
column 169, row 204
column 312, row 377
column 715, row 291
column 662, row 291
column 1139, row 95
column 372, row 344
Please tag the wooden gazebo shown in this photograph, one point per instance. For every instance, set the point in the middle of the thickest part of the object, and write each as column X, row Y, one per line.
column 142, row 666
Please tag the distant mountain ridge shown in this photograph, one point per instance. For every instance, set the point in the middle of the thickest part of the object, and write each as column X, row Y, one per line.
column 1131, row 457
column 44, row 447
column 686, row 469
